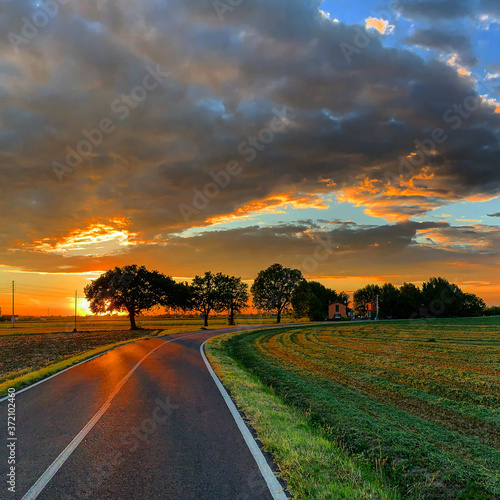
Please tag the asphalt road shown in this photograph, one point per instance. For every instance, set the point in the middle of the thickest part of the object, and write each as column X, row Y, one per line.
column 166, row 434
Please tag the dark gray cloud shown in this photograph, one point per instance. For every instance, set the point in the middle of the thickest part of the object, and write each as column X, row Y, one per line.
column 352, row 120
column 444, row 10
column 449, row 42
column 436, row 9
column 494, row 215
column 398, row 251
column 491, row 7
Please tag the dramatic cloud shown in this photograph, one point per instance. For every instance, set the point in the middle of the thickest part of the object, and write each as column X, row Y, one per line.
column 446, row 42
column 436, row 9
column 491, row 7
column 125, row 123
column 345, row 121
column 331, row 252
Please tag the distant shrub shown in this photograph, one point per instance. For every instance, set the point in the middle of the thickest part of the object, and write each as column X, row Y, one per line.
column 492, row 311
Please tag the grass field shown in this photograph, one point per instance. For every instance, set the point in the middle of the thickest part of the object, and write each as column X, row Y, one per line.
column 96, row 323
column 416, row 403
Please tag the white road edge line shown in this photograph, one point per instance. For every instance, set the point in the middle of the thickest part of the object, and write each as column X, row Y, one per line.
column 273, row 484
column 44, row 479
column 64, row 370
column 96, row 356
column 70, row 367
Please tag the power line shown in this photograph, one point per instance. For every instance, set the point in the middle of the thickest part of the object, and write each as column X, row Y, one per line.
column 41, row 287
column 44, row 294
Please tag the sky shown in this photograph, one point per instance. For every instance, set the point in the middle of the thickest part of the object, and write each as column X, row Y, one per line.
column 356, row 141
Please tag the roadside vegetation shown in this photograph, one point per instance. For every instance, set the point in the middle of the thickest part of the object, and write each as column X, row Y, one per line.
column 313, row 463
column 416, row 402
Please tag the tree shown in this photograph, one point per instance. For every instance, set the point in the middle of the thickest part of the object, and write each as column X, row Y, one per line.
column 207, row 294
column 364, row 296
column 472, row 305
column 326, row 296
column 234, row 295
column 303, row 300
column 492, row 311
column 273, row 289
column 410, row 297
column 341, row 297
column 441, row 298
column 312, row 299
column 183, row 298
column 131, row 288
column 389, row 301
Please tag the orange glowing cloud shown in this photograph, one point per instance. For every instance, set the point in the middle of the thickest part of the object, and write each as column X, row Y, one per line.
column 272, row 205
column 403, row 198
column 380, row 25
column 396, row 203
column 100, row 237
column 456, row 241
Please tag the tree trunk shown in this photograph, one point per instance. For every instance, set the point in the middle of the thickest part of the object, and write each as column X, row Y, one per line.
column 131, row 316
column 278, row 317
column 231, row 316
column 205, row 319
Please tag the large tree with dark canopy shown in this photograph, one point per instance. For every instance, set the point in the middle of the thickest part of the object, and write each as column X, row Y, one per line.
column 441, row 298
column 132, row 289
column 410, row 300
column 234, row 294
column 389, row 302
column 216, row 293
column 274, row 287
column 206, row 294
column 444, row 299
column 312, row 299
column 364, row 296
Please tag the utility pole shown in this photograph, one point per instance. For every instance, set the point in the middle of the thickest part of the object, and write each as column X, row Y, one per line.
column 13, row 314
column 76, row 300
column 376, row 317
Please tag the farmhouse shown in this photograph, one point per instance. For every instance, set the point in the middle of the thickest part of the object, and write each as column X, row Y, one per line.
column 371, row 310
column 337, row 310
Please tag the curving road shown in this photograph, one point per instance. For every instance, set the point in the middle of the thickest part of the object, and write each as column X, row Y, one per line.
column 143, row 421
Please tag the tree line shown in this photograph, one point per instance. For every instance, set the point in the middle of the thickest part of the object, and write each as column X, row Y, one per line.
column 277, row 290
column 438, row 298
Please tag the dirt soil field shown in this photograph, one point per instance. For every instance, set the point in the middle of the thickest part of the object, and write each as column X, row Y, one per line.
column 22, row 353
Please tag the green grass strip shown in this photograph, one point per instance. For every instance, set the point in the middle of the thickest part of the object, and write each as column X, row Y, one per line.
column 422, row 459
column 31, row 377
column 313, row 465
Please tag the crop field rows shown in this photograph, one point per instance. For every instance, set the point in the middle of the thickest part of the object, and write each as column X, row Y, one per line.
column 418, row 401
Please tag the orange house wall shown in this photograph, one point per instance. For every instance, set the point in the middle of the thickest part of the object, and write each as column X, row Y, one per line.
column 342, row 310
